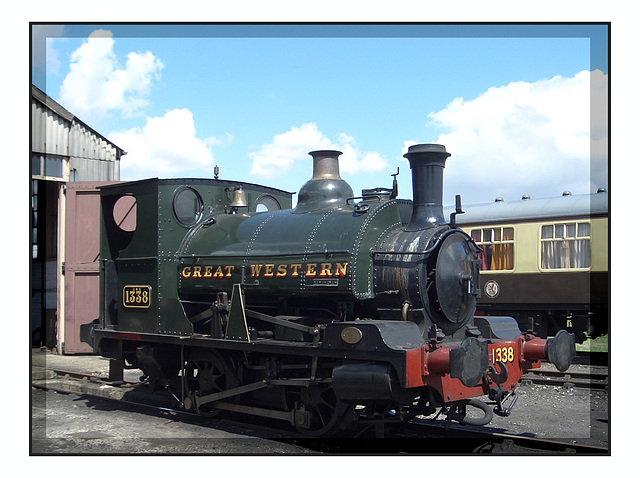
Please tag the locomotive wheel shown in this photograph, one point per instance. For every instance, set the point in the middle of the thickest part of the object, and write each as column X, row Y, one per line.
column 207, row 372
column 326, row 411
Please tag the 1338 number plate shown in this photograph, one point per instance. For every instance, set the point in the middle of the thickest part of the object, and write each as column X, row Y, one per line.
column 137, row 296
column 502, row 354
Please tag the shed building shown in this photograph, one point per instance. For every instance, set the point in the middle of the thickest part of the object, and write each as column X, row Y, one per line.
column 67, row 156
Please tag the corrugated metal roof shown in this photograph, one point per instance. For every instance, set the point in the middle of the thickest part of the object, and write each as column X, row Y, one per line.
column 57, row 135
column 530, row 209
column 43, row 124
column 49, row 131
column 42, row 97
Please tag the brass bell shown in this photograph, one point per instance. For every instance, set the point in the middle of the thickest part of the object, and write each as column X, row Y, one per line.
column 239, row 198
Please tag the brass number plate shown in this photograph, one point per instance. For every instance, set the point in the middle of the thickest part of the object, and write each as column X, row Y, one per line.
column 136, row 296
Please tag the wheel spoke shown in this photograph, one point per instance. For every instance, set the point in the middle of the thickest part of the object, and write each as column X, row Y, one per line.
column 207, row 373
column 322, row 401
column 326, row 411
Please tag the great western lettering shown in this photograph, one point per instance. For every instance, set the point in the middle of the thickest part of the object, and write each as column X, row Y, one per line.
column 268, row 271
column 206, row 272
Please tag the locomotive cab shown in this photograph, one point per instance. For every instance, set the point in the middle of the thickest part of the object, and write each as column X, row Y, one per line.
column 143, row 224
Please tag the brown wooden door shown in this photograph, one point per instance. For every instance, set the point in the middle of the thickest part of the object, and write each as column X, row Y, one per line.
column 82, row 262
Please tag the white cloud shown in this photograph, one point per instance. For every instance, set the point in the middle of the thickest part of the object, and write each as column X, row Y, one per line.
column 96, row 84
column 222, row 140
column 532, row 138
column 165, row 146
column 278, row 157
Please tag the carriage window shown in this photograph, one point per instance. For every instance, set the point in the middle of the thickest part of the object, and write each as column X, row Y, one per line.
column 496, row 244
column 566, row 246
column 187, row 206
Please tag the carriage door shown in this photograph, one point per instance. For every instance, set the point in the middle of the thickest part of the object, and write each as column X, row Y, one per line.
column 81, row 270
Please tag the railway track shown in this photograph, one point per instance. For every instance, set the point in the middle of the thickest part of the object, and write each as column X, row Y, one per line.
column 426, row 436
column 568, row 379
column 417, row 437
column 490, row 441
column 598, row 359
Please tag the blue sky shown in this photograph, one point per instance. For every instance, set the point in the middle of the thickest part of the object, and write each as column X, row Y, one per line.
column 521, row 108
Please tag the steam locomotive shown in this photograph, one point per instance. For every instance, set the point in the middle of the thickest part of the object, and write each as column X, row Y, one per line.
column 327, row 314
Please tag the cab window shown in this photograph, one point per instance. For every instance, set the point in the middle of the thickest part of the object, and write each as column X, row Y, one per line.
column 187, row 206
column 267, row 203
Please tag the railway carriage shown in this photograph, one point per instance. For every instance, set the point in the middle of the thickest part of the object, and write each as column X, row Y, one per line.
column 545, row 262
column 339, row 310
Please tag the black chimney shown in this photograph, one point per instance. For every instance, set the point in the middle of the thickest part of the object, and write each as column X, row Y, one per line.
column 427, row 171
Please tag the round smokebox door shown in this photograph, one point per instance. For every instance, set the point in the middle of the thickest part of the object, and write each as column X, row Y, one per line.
column 454, row 276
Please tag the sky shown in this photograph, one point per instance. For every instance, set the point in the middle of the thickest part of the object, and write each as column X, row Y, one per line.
column 521, row 108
